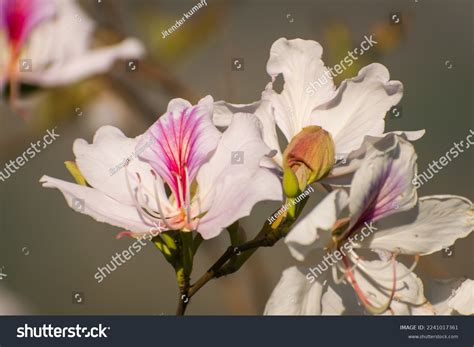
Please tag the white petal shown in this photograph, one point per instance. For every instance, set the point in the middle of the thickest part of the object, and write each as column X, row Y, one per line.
column 61, row 49
column 450, row 296
column 332, row 304
column 90, row 63
column 314, row 230
column 343, row 172
column 377, row 284
column 463, row 299
column 99, row 206
column 224, row 111
column 383, row 184
column 102, row 164
column 359, row 107
column 409, row 135
column 436, row 223
column 300, row 63
column 228, row 191
column 295, row 295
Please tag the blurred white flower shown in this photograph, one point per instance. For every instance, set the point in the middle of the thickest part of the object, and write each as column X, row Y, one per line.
column 49, row 43
column 382, row 193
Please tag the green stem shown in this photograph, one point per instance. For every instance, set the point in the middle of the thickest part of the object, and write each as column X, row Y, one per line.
column 236, row 256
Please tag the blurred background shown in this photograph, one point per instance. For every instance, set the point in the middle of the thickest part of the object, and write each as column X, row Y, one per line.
column 49, row 252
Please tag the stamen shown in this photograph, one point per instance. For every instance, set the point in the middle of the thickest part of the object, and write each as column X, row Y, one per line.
column 135, row 201
column 371, row 308
column 180, row 191
column 367, row 268
column 158, row 203
column 188, row 196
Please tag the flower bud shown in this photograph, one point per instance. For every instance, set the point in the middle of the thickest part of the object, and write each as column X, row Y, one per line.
column 308, row 158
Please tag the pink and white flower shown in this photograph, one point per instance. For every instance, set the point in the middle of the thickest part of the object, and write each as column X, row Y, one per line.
column 381, row 193
column 187, row 175
column 56, row 36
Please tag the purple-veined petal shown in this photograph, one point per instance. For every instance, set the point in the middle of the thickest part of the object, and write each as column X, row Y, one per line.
column 383, row 184
column 348, row 163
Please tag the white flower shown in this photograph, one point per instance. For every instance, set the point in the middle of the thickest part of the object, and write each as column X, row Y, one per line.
column 355, row 110
column 55, row 39
column 381, row 193
column 214, row 179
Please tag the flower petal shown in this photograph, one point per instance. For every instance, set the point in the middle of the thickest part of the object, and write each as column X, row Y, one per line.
column 90, row 63
column 314, row 230
column 343, row 171
column 436, row 223
column 20, row 17
column 181, row 141
column 376, row 284
column 295, row 295
column 99, row 206
column 359, row 107
column 103, row 162
column 383, row 184
column 463, row 299
column 300, row 63
column 58, row 60
column 223, row 113
column 229, row 191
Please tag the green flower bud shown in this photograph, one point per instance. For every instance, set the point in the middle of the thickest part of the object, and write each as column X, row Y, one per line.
column 308, row 158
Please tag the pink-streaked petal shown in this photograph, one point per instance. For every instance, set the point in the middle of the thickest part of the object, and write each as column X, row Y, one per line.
column 182, row 139
column 383, row 184
column 436, row 223
column 299, row 61
column 359, row 107
column 20, row 17
column 99, row 206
